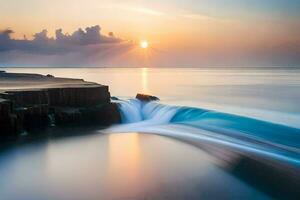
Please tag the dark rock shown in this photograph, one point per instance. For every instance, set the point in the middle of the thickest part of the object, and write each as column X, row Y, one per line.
column 70, row 96
column 145, row 97
column 33, row 117
column 8, row 121
column 27, row 110
column 103, row 114
column 26, row 97
column 114, row 98
column 65, row 116
column 49, row 76
column 78, row 96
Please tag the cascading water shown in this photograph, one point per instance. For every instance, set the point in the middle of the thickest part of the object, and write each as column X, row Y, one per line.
column 248, row 134
column 131, row 111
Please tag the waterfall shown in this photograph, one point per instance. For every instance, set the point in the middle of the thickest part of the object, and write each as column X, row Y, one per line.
column 131, row 111
column 134, row 110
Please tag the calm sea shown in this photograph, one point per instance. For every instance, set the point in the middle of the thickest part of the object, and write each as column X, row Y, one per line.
column 271, row 94
column 133, row 165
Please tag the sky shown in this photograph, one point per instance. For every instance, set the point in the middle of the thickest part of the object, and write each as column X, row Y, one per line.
column 190, row 33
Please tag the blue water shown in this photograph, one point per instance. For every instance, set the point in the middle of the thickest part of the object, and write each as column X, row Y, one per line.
column 238, row 132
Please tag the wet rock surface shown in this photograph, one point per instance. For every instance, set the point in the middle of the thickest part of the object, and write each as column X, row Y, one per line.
column 56, row 101
column 145, row 97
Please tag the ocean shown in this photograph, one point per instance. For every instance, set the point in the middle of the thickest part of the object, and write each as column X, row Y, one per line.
column 158, row 151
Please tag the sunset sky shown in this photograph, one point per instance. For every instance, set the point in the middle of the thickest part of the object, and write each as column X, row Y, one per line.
column 186, row 33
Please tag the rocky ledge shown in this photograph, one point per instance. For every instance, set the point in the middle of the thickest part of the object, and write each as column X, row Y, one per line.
column 33, row 101
column 146, row 97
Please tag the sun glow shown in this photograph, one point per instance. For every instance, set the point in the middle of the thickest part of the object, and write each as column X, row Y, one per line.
column 144, row 44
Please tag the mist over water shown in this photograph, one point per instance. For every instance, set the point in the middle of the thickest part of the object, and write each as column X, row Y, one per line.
column 230, row 113
column 248, row 105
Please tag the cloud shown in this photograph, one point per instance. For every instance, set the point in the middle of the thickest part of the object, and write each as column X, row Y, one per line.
column 62, row 43
column 88, row 47
column 64, row 49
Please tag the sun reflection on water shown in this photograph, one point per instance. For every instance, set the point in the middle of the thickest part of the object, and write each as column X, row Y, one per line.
column 145, row 80
column 124, row 162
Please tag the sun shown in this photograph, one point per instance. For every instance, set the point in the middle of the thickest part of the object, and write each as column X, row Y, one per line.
column 144, row 44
